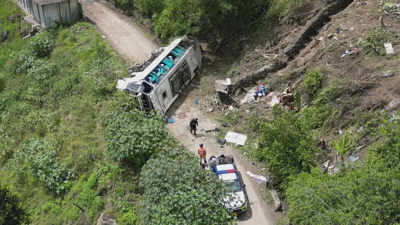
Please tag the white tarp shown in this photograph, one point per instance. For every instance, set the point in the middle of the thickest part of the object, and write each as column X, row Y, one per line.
column 235, row 138
column 259, row 179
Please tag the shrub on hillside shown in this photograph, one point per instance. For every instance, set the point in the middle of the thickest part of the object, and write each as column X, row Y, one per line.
column 312, row 81
column 176, row 190
column 287, row 145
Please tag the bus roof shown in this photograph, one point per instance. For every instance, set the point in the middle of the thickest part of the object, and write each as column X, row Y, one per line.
column 167, row 50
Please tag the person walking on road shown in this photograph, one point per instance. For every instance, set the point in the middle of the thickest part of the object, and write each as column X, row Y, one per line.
column 193, row 123
column 202, row 153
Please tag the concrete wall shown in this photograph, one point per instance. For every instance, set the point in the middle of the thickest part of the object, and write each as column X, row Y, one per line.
column 47, row 15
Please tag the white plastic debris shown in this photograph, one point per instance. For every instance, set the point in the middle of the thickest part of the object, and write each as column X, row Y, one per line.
column 259, row 179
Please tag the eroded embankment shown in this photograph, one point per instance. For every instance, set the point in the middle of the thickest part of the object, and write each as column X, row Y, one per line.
column 298, row 42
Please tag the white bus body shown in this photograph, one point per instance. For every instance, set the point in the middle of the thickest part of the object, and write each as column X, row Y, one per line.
column 158, row 82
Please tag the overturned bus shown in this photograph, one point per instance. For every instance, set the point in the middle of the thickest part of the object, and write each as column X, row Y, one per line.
column 157, row 82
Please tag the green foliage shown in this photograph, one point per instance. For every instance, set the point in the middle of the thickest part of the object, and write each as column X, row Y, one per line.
column 359, row 194
column 234, row 117
column 297, row 97
column 176, row 190
column 312, row 81
column 281, row 8
column 287, row 145
column 374, row 41
column 133, row 136
column 212, row 21
column 40, row 157
column 11, row 209
column 129, row 218
column 343, row 146
column 51, row 108
column 42, row 44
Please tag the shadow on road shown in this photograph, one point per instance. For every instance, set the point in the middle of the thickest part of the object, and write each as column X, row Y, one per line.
column 249, row 213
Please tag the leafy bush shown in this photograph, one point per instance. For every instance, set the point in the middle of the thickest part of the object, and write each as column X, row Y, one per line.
column 312, row 81
column 374, row 41
column 176, row 190
column 40, row 156
column 42, row 44
column 133, row 136
column 41, row 70
column 287, row 145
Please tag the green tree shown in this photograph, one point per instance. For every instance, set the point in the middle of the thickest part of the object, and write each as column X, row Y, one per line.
column 11, row 208
column 132, row 135
column 287, row 145
column 176, row 190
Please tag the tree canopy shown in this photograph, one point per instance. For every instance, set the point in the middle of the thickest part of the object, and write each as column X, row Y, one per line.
column 176, row 190
column 287, row 145
column 11, row 209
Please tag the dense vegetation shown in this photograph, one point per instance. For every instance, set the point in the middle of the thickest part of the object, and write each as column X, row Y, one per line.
column 71, row 146
column 213, row 21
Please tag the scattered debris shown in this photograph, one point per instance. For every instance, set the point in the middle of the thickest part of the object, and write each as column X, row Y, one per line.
column 324, row 166
column 261, row 90
column 196, row 86
column 360, row 130
column 247, row 110
column 353, row 158
column 387, row 73
column 236, row 138
column 104, row 37
column 210, row 108
column 393, row 104
column 259, row 179
column 196, row 102
column 221, row 142
column 169, row 120
column 223, row 85
column 274, row 101
column 224, row 124
column 215, row 129
column 249, row 98
column 263, row 169
column 389, row 48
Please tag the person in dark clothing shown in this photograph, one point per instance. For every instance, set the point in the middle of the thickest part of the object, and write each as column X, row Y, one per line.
column 193, row 123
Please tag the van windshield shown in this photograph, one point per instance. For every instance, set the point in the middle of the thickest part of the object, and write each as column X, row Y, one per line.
column 233, row 185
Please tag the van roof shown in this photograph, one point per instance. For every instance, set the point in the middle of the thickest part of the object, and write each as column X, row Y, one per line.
column 226, row 168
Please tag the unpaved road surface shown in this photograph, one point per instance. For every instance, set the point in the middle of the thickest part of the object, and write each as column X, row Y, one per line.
column 126, row 37
column 258, row 212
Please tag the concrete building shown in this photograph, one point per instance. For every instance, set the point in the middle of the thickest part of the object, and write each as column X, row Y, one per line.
column 47, row 12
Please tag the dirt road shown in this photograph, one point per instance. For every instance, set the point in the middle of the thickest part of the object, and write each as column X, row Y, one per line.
column 126, row 37
column 258, row 212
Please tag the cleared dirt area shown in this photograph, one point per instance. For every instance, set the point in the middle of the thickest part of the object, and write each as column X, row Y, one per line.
column 127, row 38
column 184, row 109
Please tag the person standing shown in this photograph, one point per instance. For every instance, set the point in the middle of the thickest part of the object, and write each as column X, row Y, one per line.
column 202, row 153
column 193, row 123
